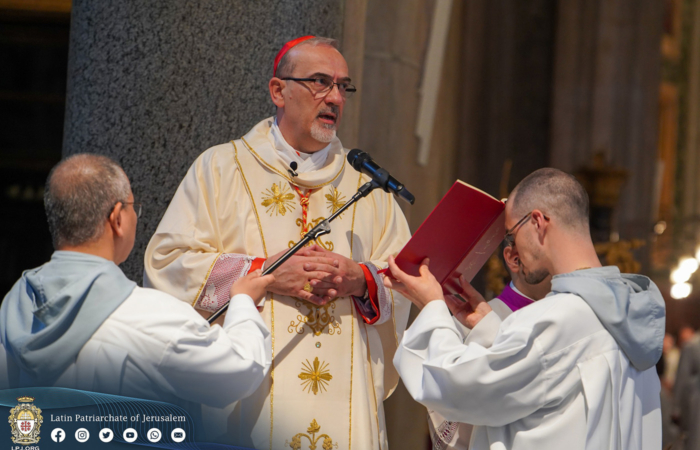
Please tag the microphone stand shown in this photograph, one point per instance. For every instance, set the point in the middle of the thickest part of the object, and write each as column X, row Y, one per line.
column 323, row 227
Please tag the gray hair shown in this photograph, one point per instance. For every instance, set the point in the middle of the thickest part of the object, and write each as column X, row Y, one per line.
column 555, row 193
column 286, row 65
column 81, row 191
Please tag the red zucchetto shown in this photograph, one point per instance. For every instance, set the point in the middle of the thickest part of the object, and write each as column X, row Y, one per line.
column 285, row 49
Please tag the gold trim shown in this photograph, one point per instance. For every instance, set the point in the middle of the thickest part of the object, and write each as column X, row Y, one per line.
column 272, row 297
column 272, row 362
column 352, row 359
column 393, row 317
column 250, row 194
column 374, row 392
column 352, row 323
column 206, row 278
column 352, row 223
column 283, row 175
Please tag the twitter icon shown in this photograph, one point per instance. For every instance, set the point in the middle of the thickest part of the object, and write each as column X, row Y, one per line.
column 106, row 435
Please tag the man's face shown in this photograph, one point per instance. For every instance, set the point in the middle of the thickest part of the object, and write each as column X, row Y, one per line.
column 311, row 115
column 527, row 249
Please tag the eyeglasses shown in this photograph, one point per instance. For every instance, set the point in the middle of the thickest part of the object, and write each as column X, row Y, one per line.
column 137, row 207
column 510, row 234
column 321, row 86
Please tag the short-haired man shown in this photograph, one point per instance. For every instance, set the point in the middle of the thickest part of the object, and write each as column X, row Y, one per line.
column 78, row 322
column 518, row 294
column 334, row 325
column 574, row 370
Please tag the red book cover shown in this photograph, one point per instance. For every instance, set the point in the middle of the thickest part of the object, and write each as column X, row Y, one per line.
column 458, row 236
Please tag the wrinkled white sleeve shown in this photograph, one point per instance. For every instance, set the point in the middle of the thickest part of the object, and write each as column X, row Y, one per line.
column 219, row 365
column 468, row 382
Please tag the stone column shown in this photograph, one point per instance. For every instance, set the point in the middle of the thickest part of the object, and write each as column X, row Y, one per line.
column 605, row 97
column 154, row 84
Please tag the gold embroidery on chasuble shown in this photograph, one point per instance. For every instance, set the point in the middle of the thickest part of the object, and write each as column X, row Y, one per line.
column 278, row 199
column 315, row 376
column 314, row 428
column 318, row 318
column 328, row 245
column 335, row 200
column 293, row 376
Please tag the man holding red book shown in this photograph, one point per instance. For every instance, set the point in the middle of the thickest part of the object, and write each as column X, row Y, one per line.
column 574, row 370
column 516, row 295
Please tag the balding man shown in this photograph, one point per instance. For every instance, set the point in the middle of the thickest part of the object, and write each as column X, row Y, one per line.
column 574, row 370
column 78, row 322
column 334, row 326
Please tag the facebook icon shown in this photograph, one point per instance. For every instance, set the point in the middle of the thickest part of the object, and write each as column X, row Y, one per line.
column 58, row 435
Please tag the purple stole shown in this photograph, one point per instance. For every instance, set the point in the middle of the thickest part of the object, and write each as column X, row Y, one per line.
column 512, row 299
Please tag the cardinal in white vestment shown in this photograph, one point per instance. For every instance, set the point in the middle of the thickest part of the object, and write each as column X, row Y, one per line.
column 574, row 370
column 78, row 322
column 334, row 325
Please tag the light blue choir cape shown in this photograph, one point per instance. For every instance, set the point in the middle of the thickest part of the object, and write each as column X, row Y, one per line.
column 629, row 306
column 53, row 310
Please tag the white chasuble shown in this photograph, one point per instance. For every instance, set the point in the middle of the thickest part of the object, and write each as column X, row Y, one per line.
column 330, row 371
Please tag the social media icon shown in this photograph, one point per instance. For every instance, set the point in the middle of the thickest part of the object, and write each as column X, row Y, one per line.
column 106, row 435
column 58, row 435
column 82, row 435
column 178, row 435
column 130, row 435
column 154, row 435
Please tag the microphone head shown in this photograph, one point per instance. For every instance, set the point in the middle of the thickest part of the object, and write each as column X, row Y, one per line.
column 356, row 157
column 293, row 165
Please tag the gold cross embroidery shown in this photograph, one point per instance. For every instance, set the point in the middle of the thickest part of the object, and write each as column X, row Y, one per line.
column 315, row 378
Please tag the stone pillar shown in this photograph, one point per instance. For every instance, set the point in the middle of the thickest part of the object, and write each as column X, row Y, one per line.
column 154, row 84
column 607, row 75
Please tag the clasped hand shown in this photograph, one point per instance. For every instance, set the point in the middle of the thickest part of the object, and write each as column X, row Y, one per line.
column 329, row 274
column 425, row 288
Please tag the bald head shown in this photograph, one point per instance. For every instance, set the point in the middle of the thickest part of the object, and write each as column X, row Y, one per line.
column 556, row 194
column 80, row 193
column 287, row 63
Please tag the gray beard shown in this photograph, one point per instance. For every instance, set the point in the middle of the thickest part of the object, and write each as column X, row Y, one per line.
column 322, row 132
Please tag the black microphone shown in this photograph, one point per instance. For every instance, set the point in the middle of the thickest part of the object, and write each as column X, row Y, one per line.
column 362, row 162
column 293, row 170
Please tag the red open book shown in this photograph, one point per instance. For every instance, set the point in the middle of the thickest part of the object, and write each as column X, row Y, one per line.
column 458, row 236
